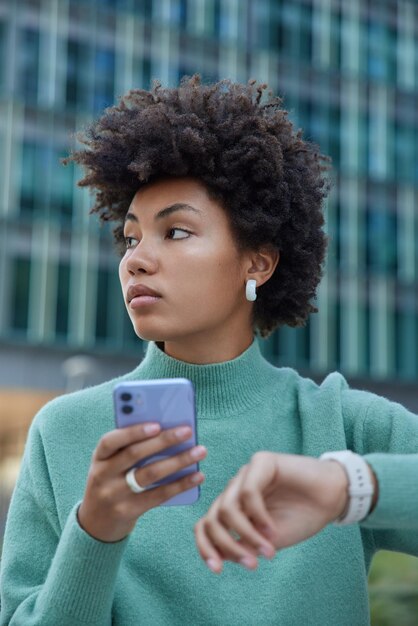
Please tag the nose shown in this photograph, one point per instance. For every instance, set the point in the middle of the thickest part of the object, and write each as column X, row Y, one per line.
column 142, row 259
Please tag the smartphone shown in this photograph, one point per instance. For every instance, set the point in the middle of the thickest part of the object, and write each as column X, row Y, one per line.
column 171, row 402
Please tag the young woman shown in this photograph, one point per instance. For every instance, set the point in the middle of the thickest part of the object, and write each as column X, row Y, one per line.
column 217, row 207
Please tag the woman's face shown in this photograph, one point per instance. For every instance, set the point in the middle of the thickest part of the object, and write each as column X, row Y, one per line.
column 188, row 256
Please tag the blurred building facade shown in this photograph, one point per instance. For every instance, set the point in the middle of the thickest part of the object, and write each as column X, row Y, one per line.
column 348, row 73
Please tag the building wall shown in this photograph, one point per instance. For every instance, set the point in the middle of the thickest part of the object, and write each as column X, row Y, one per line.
column 348, row 73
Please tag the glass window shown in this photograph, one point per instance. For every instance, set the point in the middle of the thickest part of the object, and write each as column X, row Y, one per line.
column 3, row 55
column 183, row 70
column 290, row 30
column 28, row 177
column 63, row 294
column 178, row 12
column 77, row 88
column 304, row 116
column 144, row 8
column 285, row 25
column 377, row 164
column 72, row 74
column 404, row 145
column 216, row 18
column 343, row 237
column 62, row 187
column 368, row 322
column 406, row 338
column 305, row 44
column 332, row 222
column 183, row 13
column 146, row 73
column 294, row 346
column 319, row 123
column 102, row 303
column 141, row 73
column 337, row 342
column 36, row 169
column 334, row 143
column 261, row 24
column 20, row 294
column 335, row 40
column 363, row 141
column 381, row 50
column 104, row 64
column 291, row 24
column 375, row 60
column 28, row 63
column 304, row 344
column 277, row 30
column 381, row 239
column 391, row 43
column 113, row 3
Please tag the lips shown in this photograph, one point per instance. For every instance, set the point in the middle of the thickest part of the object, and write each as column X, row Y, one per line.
column 135, row 291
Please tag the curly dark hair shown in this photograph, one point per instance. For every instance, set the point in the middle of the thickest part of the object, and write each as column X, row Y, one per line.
column 270, row 181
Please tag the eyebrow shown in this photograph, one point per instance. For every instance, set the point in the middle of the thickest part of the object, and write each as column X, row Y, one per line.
column 168, row 210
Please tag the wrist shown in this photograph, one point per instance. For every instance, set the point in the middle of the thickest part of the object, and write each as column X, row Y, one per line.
column 105, row 535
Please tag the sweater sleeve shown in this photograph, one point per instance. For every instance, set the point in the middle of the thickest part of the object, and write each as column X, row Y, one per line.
column 390, row 446
column 52, row 575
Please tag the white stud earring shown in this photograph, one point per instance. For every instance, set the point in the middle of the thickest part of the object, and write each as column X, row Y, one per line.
column 250, row 293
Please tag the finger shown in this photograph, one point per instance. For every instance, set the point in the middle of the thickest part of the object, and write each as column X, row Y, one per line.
column 115, row 440
column 254, row 508
column 153, row 472
column 207, row 551
column 257, row 476
column 251, row 539
column 233, row 518
column 144, row 446
column 157, row 495
column 221, row 540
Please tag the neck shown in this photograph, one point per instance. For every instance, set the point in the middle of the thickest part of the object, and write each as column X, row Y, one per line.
column 217, row 348
column 221, row 389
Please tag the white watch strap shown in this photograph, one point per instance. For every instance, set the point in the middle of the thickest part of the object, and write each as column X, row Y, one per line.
column 360, row 486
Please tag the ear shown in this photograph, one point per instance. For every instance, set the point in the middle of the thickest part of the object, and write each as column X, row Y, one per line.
column 262, row 264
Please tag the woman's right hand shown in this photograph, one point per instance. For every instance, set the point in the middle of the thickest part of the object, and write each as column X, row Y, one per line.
column 110, row 509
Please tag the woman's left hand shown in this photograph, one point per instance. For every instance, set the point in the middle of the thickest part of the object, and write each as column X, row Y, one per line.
column 275, row 501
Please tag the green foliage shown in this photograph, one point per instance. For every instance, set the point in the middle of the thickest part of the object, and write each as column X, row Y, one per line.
column 393, row 589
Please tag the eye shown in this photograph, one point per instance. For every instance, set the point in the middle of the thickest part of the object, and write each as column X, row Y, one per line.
column 129, row 242
column 179, row 230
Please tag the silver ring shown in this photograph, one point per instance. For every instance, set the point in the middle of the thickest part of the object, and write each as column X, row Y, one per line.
column 132, row 483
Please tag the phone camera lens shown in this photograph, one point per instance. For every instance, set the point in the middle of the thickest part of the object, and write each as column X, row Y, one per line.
column 125, row 396
column 127, row 408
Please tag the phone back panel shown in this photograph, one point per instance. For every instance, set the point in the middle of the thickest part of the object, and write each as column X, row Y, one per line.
column 171, row 402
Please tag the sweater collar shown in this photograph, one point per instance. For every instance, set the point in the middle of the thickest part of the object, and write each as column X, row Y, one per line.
column 222, row 388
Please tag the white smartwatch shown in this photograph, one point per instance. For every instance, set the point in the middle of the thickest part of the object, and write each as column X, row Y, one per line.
column 360, row 487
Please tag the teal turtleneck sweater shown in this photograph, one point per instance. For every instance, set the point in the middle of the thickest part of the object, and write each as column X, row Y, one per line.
column 55, row 573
